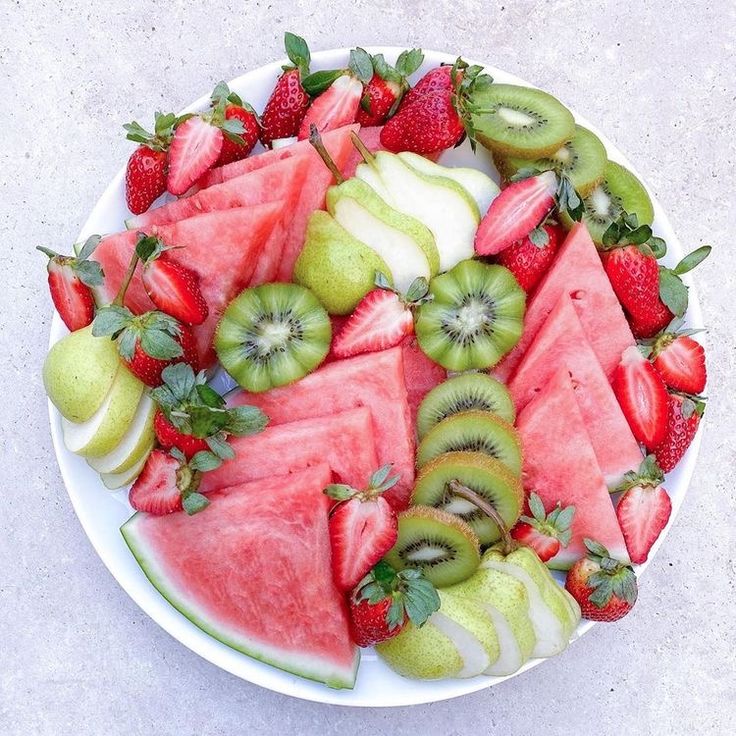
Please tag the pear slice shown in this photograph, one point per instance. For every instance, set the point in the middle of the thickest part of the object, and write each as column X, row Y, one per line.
column 403, row 242
column 133, row 445
column 103, row 431
column 115, row 481
column 444, row 206
column 478, row 185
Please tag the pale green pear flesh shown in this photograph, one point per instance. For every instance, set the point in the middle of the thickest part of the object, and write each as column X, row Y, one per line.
column 115, row 481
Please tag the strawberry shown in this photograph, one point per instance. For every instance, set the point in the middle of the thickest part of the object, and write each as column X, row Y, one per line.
column 644, row 509
column 680, row 361
column 71, row 280
column 386, row 87
column 530, row 258
column 382, row 319
column 386, row 600
column 194, row 150
column 172, row 287
column 438, row 79
column 288, row 102
column 167, row 484
column 145, row 173
column 169, row 436
column 642, row 395
column 235, row 146
column 605, row 588
column 544, row 533
column 683, row 420
column 516, row 212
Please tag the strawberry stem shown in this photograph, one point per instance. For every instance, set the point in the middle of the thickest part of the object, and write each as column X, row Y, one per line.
column 366, row 155
column 120, row 297
column 316, row 140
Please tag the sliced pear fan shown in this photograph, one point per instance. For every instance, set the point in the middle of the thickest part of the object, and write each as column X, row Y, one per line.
column 114, row 481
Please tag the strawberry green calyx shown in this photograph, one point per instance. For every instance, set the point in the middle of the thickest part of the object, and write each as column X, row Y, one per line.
column 672, row 290
column 467, row 80
column 297, row 51
column 90, row 273
column 378, row 483
column 395, row 76
column 648, row 475
column 416, row 295
column 221, row 97
column 360, row 66
column 188, row 478
column 613, row 578
column 163, row 131
column 653, row 346
column 556, row 524
column 626, row 230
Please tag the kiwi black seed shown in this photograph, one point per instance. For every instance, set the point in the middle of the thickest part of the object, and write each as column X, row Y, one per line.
column 521, row 121
column 474, row 318
column 619, row 191
column 272, row 335
column 438, row 543
column 466, row 392
column 473, row 431
column 583, row 159
column 489, row 478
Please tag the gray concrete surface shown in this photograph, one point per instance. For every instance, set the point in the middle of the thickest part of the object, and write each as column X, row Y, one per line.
column 76, row 655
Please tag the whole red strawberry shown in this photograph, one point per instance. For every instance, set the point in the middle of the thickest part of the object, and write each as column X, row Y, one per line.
column 169, row 436
column 605, row 588
column 680, row 361
column 438, row 79
column 235, row 146
column 683, row 420
column 386, row 600
column 544, row 533
column 529, row 259
column 288, row 103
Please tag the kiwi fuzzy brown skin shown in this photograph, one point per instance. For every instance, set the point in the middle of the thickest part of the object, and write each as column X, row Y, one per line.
column 441, row 530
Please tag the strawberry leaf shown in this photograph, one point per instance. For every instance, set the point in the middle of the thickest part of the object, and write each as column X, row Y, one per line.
column 382, row 282
column 595, row 548
column 180, row 380
column 537, row 507
column 245, row 420
column 673, row 292
column 339, row 491
column 316, row 83
column 194, row 502
column 219, row 446
column 361, row 64
column 298, row 52
column 205, row 461
column 409, row 61
column 111, row 320
column 691, row 260
column 89, row 247
column 539, row 237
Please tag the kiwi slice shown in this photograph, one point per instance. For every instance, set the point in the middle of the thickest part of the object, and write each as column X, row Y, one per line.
column 488, row 477
column 466, row 392
column 619, row 191
column 272, row 335
column 521, row 121
column 440, row 544
column 474, row 318
column 583, row 159
column 473, row 431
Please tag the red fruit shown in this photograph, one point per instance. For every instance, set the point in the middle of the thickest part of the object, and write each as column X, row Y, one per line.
column 642, row 395
column 169, row 436
column 683, row 419
column 608, row 596
column 235, row 146
column 363, row 528
column 529, row 261
column 194, row 150
column 644, row 509
column 544, row 533
column 148, row 369
column 438, row 79
column 546, row 547
column 680, row 361
column 651, row 320
column 333, row 108
column 515, row 212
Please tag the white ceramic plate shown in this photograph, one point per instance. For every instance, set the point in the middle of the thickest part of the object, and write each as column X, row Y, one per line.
column 102, row 513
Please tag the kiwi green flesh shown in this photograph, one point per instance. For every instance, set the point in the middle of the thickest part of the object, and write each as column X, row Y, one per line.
column 489, row 478
column 272, row 335
column 466, row 392
column 473, row 431
column 583, row 159
column 521, row 121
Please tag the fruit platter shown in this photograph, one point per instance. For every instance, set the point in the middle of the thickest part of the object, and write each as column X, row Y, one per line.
column 375, row 377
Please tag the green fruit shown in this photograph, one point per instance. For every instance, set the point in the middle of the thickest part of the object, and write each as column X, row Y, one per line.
column 136, row 442
column 337, row 267
column 521, row 121
column 475, row 317
column 102, row 432
column 114, row 481
column 466, row 392
column 480, row 473
column 78, row 373
column 402, row 242
column 272, row 335
column 440, row 203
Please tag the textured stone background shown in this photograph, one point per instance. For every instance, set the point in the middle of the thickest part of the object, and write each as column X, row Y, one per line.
column 78, row 657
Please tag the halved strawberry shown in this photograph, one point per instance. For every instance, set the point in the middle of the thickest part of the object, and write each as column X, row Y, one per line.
column 644, row 509
column 194, row 150
column 515, row 212
column 642, row 395
column 363, row 527
column 680, row 361
column 683, row 420
column 544, row 533
column 530, row 258
column 235, row 146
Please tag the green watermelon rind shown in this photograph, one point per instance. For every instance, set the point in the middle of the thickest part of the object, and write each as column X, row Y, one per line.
column 337, row 679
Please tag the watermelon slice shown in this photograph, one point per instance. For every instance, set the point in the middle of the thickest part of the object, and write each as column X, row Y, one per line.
column 222, row 247
column 421, row 375
column 253, row 570
column 577, row 271
column 343, row 440
column 560, row 465
column 561, row 342
column 374, row 381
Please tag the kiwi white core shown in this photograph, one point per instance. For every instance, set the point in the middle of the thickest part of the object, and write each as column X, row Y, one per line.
column 515, row 118
column 426, row 553
column 599, row 201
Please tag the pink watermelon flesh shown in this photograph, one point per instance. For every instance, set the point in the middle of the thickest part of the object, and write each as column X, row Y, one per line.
column 374, row 381
column 343, row 440
column 253, row 570
column 335, row 107
column 562, row 342
column 577, row 271
column 221, row 247
column 560, row 465
column 421, row 375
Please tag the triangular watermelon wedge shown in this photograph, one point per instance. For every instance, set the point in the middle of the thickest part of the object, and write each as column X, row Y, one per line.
column 560, row 465
column 577, row 271
column 561, row 342
column 221, row 247
column 253, row 570
column 343, row 440
column 374, row 381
